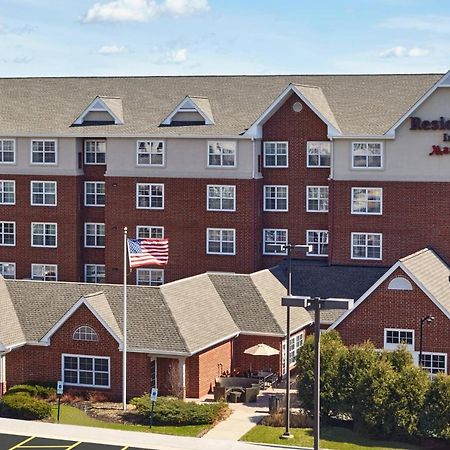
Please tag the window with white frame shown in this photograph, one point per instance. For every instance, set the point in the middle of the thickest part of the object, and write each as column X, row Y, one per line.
column 221, row 241
column 94, row 152
column 43, row 193
column 222, row 154
column 94, row 193
column 43, row 234
column 43, row 152
column 434, row 362
column 149, row 232
column 85, row 333
column 274, row 240
column 366, row 246
column 8, row 233
column 89, row 371
column 275, row 198
column 94, row 235
column 367, row 200
column 318, row 241
column 149, row 196
column 7, row 192
column 149, row 277
column 94, row 273
column 295, row 343
column 7, row 151
column 8, row 270
column 318, row 154
column 44, row 272
column 150, row 153
column 393, row 337
column 367, row 155
column 221, row 197
column 276, row 154
column 317, row 198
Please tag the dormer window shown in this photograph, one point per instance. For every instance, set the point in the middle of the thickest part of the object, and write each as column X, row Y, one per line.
column 85, row 333
column 191, row 111
column 102, row 111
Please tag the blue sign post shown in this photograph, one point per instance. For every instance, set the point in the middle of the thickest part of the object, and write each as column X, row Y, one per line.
column 59, row 393
column 153, row 398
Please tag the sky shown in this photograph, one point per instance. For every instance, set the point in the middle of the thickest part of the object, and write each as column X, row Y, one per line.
column 189, row 37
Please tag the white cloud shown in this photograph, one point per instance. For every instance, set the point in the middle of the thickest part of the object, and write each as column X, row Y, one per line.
column 142, row 10
column 400, row 52
column 112, row 49
column 176, row 56
column 435, row 24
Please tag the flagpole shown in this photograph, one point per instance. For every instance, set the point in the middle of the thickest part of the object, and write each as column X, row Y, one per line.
column 124, row 355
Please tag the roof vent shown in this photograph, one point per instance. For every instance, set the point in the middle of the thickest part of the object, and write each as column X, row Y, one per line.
column 191, row 111
column 297, row 107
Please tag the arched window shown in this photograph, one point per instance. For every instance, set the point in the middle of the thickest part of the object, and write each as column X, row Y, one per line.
column 400, row 284
column 85, row 333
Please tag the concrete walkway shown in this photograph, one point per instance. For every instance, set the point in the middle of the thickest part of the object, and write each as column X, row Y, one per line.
column 243, row 418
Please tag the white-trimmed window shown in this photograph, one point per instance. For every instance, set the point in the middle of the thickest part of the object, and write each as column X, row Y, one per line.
column 275, row 198
column 44, row 234
column 276, row 154
column 149, row 277
column 317, row 198
column 7, row 151
column 150, row 153
column 8, row 270
column 393, row 337
column 318, row 240
column 94, row 152
column 434, row 362
column 43, row 193
column 149, row 196
column 88, row 371
column 94, row 235
column 367, row 200
column 221, row 197
column 149, row 232
column 366, row 246
column 274, row 240
column 318, row 154
column 7, row 192
column 220, row 241
column 367, row 155
column 94, row 193
column 85, row 333
column 8, row 233
column 94, row 273
column 44, row 272
column 295, row 344
column 222, row 154
column 43, row 151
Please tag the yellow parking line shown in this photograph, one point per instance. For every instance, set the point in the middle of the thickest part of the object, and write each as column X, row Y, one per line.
column 23, row 442
column 74, row 445
column 44, row 446
column 125, row 448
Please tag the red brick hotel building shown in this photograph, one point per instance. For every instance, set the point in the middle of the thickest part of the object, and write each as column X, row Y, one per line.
column 356, row 165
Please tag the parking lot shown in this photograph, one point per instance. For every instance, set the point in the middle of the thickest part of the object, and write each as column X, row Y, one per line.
column 13, row 442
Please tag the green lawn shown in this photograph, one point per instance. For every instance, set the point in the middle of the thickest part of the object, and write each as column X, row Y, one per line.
column 74, row 416
column 335, row 438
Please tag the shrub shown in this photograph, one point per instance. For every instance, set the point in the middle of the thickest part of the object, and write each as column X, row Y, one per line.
column 298, row 420
column 22, row 388
column 21, row 405
column 34, row 390
column 172, row 411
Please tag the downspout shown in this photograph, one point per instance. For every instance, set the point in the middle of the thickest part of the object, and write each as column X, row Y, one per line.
column 331, row 206
column 257, row 264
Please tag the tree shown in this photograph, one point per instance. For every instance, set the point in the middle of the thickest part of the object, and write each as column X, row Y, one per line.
column 435, row 417
column 332, row 350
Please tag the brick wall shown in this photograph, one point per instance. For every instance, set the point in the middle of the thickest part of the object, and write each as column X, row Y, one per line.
column 414, row 216
column 297, row 129
column 397, row 309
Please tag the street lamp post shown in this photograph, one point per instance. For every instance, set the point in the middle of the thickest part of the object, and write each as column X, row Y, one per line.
column 427, row 319
column 289, row 248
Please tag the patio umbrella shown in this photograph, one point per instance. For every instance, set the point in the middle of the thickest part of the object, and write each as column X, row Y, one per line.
column 262, row 350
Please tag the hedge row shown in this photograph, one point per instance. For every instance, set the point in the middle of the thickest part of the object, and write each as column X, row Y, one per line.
column 21, row 405
column 172, row 411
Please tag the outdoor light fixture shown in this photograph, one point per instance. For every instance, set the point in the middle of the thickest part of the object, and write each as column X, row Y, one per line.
column 427, row 319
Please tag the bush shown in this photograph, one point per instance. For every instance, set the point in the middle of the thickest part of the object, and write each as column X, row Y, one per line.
column 34, row 390
column 21, row 405
column 172, row 411
column 298, row 420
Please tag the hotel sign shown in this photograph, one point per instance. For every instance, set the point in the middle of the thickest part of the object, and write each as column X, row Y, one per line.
column 442, row 124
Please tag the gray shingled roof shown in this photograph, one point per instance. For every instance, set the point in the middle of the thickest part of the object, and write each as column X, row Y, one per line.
column 360, row 104
column 432, row 273
column 318, row 279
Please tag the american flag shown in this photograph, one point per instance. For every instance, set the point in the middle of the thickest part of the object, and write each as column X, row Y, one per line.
column 143, row 252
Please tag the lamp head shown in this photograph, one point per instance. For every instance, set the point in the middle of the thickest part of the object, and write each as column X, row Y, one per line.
column 429, row 318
